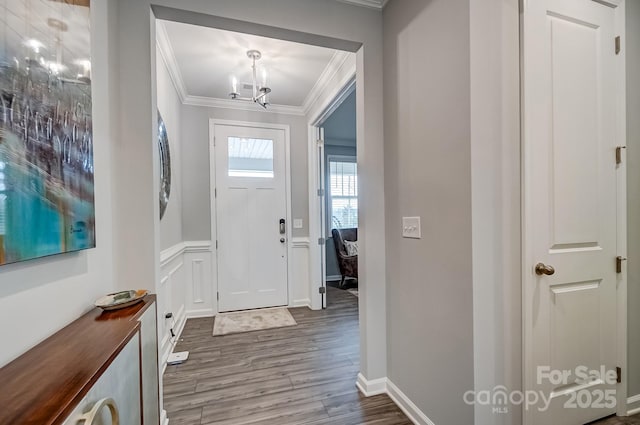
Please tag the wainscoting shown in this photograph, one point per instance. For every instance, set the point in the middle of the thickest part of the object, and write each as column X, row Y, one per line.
column 188, row 286
column 185, row 290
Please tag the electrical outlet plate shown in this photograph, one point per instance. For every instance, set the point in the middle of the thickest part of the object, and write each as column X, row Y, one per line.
column 297, row 223
column 177, row 358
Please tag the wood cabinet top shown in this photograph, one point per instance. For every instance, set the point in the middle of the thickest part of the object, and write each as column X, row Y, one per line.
column 45, row 384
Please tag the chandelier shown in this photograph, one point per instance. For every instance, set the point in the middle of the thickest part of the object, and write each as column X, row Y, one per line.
column 259, row 90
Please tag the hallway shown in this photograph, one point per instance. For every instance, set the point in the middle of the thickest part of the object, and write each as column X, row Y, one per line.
column 300, row 375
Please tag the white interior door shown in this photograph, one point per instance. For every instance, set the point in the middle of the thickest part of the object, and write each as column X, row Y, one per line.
column 570, row 138
column 251, row 206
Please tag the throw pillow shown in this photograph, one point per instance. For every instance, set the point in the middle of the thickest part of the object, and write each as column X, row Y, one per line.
column 351, row 247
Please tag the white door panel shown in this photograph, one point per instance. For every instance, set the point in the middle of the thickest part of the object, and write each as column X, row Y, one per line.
column 250, row 202
column 570, row 205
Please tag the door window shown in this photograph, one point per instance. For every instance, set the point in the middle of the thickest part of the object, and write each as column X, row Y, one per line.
column 250, row 157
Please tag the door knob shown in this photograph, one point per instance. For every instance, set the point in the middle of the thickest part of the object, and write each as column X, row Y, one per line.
column 281, row 240
column 543, row 269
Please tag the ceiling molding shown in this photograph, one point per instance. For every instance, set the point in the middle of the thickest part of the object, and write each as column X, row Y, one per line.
column 326, row 78
column 337, row 88
column 371, row 4
column 169, row 58
column 212, row 102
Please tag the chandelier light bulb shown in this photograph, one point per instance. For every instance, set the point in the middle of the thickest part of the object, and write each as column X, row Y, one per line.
column 234, row 84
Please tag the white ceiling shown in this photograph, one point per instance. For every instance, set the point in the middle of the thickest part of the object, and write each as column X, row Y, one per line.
column 205, row 59
column 60, row 30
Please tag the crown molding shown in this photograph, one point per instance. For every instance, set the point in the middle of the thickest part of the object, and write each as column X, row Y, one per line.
column 336, row 89
column 169, row 58
column 213, row 102
column 371, row 4
column 326, row 79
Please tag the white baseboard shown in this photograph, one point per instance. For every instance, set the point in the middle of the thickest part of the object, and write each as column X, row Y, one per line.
column 196, row 314
column 633, row 405
column 384, row 386
column 306, row 302
column 371, row 387
column 334, row 278
column 167, row 344
column 163, row 418
column 416, row 415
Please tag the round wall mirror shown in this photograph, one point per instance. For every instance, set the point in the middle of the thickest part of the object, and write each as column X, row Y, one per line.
column 165, row 165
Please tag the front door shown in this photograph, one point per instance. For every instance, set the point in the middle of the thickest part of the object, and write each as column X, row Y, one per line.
column 251, row 227
column 570, row 281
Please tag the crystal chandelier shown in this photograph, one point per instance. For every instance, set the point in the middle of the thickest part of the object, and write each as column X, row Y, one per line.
column 260, row 90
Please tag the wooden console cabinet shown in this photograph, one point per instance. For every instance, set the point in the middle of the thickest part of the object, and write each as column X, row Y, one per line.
column 101, row 365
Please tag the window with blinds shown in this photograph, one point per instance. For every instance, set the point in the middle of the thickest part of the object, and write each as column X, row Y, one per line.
column 343, row 193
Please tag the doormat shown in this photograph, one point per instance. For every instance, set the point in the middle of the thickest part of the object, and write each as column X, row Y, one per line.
column 252, row 320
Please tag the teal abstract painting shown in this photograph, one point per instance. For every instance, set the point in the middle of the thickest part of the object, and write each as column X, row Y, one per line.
column 46, row 142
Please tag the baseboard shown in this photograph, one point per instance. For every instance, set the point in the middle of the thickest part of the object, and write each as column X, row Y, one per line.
column 163, row 418
column 633, row 405
column 371, row 387
column 306, row 302
column 384, row 386
column 407, row 406
column 167, row 345
column 196, row 314
column 333, row 278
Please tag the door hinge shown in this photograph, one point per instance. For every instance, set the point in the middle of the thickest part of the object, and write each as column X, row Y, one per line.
column 320, row 241
column 618, row 45
column 322, row 290
column 320, row 192
column 619, row 154
column 216, row 244
column 218, row 296
column 618, row 374
column 619, row 261
column 215, row 192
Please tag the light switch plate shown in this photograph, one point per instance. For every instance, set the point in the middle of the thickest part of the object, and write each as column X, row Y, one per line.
column 411, row 227
column 297, row 223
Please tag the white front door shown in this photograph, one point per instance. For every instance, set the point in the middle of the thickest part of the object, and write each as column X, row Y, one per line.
column 251, row 227
column 570, row 139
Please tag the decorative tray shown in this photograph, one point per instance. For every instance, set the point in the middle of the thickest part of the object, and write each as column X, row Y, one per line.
column 121, row 299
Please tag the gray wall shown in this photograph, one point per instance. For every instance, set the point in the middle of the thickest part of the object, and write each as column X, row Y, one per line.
column 39, row 297
column 196, row 200
column 427, row 173
column 633, row 192
column 170, row 108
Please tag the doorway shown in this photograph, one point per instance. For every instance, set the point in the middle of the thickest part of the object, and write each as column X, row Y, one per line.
column 337, row 201
column 250, row 191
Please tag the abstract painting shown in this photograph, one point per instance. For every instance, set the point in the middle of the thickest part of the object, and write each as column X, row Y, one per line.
column 46, row 142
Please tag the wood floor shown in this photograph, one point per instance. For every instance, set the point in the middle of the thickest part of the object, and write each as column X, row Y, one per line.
column 300, row 375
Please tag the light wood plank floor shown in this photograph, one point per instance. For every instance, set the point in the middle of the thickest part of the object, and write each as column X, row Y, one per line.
column 300, row 375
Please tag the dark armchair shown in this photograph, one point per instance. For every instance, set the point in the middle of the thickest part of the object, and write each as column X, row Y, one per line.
column 348, row 264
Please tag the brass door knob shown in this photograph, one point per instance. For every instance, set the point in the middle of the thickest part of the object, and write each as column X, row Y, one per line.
column 543, row 269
